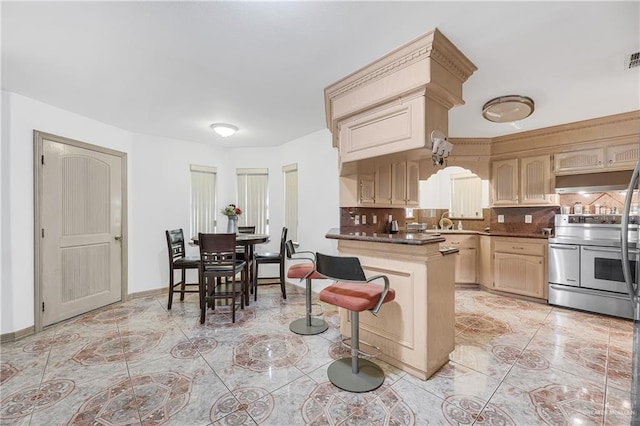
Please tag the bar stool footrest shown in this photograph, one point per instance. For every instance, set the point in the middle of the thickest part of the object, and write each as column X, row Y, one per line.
column 300, row 326
column 369, row 377
column 319, row 314
column 376, row 350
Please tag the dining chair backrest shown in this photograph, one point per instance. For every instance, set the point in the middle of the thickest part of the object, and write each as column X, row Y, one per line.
column 283, row 241
column 175, row 241
column 217, row 250
column 246, row 229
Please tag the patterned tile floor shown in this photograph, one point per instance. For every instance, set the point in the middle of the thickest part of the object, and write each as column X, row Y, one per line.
column 515, row 363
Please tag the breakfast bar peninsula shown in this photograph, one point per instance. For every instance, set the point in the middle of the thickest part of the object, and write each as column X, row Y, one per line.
column 415, row 332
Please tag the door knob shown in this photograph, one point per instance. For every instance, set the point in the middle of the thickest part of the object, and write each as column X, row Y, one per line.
column 118, row 237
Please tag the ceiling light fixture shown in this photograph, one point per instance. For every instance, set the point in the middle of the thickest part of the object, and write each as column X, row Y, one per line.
column 223, row 129
column 507, row 109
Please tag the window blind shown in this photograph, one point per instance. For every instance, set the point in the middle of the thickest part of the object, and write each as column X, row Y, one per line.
column 203, row 199
column 290, row 173
column 253, row 198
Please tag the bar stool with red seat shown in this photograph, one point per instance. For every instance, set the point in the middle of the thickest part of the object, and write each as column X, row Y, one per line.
column 356, row 293
column 310, row 324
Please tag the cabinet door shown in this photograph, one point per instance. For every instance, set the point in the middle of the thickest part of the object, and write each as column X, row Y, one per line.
column 413, row 183
column 367, row 189
column 399, row 183
column 505, row 182
column 520, row 274
column 583, row 160
column 466, row 266
column 535, row 180
column 485, row 263
column 466, row 259
column 622, row 156
column 383, row 184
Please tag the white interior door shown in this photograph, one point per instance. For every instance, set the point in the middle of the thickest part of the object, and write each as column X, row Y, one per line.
column 81, row 217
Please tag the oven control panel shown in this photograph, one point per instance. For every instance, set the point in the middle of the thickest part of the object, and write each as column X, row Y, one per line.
column 613, row 219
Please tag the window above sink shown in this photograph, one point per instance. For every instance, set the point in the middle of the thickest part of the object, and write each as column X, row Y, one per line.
column 458, row 190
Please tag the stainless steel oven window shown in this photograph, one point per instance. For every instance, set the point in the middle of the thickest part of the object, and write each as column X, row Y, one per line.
column 601, row 268
column 611, row 269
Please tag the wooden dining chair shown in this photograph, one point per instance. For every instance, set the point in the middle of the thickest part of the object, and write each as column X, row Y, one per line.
column 178, row 260
column 272, row 258
column 240, row 249
column 246, row 229
column 218, row 260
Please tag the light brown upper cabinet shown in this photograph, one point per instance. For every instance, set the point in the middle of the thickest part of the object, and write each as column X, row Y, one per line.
column 622, row 156
column 522, row 182
column 585, row 160
column 391, row 184
column 404, row 183
column 392, row 104
column 394, row 128
column 504, row 182
column 612, row 157
column 366, row 189
column 383, row 183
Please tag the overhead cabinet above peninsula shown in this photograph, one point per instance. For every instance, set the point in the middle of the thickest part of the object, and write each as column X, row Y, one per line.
column 393, row 104
column 388, row 183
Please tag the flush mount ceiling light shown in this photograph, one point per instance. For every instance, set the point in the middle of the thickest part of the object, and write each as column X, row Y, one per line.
column 507, row 109
column 224, row 129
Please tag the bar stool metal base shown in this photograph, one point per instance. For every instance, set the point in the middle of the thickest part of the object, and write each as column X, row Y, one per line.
column 300, row 326
column 308, row 325
column 368, row 378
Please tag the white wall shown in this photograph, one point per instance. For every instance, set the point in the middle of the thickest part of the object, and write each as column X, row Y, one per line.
column 21, row 116
column 318, row 187
column 158, row 194
column 160, row 200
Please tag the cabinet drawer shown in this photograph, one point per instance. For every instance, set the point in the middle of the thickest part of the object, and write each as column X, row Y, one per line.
column 461, row 241
column 517, row 247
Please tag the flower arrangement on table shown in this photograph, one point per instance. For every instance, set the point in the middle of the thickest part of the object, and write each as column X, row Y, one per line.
column 231, row 210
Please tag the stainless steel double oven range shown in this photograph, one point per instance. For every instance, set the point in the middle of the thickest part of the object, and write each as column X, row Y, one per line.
column 585, row 263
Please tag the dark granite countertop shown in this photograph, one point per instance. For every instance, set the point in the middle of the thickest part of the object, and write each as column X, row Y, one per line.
column 416, row 239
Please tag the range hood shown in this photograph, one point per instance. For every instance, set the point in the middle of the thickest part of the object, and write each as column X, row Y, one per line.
column 593, row 182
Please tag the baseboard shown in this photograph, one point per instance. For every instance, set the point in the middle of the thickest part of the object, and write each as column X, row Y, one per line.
column 17, row 335
column 514, row 296
column 147, row 293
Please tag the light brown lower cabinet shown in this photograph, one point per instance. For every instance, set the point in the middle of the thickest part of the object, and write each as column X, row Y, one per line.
column 520, row 266
column 467, row 257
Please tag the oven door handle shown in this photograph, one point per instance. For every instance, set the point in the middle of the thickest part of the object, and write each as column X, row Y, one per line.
column 606, row 249
column 553, row 246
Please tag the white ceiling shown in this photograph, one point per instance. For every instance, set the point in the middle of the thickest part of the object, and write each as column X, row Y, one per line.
column 173, row 68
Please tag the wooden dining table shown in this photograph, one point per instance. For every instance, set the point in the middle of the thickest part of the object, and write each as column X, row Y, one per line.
column 248, row 241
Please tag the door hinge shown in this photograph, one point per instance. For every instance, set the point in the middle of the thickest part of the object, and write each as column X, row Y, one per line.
column 42, row 306
column 42, row 232
column 42, row 159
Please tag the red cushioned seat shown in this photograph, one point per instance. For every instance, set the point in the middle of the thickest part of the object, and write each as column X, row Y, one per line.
column 355, row 296
column 300, row 270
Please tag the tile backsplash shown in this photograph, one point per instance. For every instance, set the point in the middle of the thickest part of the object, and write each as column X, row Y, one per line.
column 514, row 217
